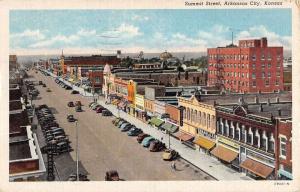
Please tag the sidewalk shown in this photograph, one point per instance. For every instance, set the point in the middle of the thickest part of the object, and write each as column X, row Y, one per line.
column 208, row 164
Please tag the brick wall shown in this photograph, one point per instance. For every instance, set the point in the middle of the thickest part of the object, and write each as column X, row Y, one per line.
column 23, row 166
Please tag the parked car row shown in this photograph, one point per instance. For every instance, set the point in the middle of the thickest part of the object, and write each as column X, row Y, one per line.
column 145, row 139
column 62, row 84
column 100, row 109
column 51, row 130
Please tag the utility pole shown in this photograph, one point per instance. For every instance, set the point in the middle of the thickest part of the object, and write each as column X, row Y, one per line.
column 77, row 152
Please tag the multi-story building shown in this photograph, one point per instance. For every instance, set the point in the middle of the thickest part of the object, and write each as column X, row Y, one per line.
column 247, row 136
column 251, row 67
column 283, row 148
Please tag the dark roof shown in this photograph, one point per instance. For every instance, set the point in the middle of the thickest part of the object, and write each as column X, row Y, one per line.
column 15, row 94
column 19, row 150
column 16, row 120
column 15, row 105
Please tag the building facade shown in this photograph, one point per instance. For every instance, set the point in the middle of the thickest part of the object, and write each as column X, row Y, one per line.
column 252, row 66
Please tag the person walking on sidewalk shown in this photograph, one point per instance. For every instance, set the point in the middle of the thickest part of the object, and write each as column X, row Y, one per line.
column 173, row 166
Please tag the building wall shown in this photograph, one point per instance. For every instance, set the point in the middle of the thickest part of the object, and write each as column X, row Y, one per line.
column 23, row 166
column 93, row 75
column 159, row 108
column 174, row 112
column 172, row 79
column 284, row 130
column 197, row 115
column 153, row 92
column 139, row 102
column 240, row 69
column 149, row 105
column 131, row 88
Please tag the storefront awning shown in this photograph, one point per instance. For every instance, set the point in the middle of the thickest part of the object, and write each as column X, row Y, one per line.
column 157, row 122
column 257, row 168
column 285, row 173
column 183, row 136
column 204, row 143
column 170, row 127
column 224, row 153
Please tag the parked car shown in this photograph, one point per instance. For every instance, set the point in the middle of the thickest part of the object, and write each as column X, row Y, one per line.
column 124, row 124
column 48, row 90
column 156, row 145
column 95, row 106
column 146, row 141
column 78, row 108
column 44, row 85
column 170, row 154
column 91, row 105
column 116, row 120
column 74, row 92
column 68, row 87
column 112, row 176
column 141, row 137
column 106, row 113
column 71, row 118
column 121, row 122
column 70, row 104
column 127, row 128
column 40, row 82
column 134, row 131
column 100, row 109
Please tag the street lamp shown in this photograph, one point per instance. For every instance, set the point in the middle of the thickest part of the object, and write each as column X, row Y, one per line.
column 77, row 151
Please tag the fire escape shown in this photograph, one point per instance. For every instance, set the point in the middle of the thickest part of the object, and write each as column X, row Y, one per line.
column 220, row 72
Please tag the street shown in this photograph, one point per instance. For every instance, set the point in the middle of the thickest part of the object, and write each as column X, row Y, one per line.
column 103, row 147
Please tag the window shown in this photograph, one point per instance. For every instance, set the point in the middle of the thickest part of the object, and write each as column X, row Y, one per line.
column 253, row 65
column 263, row 57
column 253, row 75
column 271, row 146
column 277, row 82
column 253, row 57
column 262, row 65
column 278, row 73
column 278, row 64
column 263, row 74
column 282, row 147
column 269, row 65
column 269, row 74
column 242, row 74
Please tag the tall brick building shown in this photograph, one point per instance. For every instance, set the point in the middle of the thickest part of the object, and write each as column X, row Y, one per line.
column 250, row 67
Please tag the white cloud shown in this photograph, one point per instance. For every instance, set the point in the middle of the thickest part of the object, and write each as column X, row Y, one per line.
column 55, row 39
column 139, row 18
column 84, row 32
column 35, row 34
column 127, row 30
column 260, row 31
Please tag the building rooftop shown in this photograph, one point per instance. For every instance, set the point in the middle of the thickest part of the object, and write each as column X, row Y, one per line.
column 15, row 105
column 19, row 150
column 16, row 120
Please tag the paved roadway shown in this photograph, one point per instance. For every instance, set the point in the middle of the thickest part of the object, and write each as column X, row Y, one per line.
column 104, row 147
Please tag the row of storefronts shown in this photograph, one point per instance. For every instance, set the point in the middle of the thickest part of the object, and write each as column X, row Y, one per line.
column 236, row 134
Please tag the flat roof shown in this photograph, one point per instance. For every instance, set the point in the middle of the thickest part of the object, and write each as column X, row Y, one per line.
column 17, row 120
column 19, row 150
column 15, row 105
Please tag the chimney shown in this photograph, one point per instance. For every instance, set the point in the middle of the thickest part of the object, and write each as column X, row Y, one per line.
column 261, row 108
column 256, row 100
column 279, row 112
column 277, row 99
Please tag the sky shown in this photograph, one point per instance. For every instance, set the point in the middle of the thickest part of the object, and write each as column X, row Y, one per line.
column 131, row 31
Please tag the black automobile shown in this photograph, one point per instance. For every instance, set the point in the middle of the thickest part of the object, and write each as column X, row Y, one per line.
column 74, row 92
column 156, row 145
column 68, row 87
column 71, row 118
column 44, row 85
column 106, row 113
column 78, row 109
column 71, row 104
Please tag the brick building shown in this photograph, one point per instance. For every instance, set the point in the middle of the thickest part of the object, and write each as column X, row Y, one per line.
column 250, row 67
column 96, row 78
column 283, row 147
column 169, row 78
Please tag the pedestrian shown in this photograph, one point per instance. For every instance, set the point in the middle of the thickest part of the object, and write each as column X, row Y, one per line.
column 173, row 165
